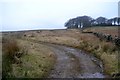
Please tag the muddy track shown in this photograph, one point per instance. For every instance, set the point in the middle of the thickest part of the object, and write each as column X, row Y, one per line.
column 73, row 63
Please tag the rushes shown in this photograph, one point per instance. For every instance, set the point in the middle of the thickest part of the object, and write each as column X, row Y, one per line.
column 12, row 53
column 10, row 48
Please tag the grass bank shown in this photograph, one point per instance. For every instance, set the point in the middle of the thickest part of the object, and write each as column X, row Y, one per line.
column 37, row 62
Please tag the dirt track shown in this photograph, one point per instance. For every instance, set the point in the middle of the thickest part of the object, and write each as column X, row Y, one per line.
column 73, row 63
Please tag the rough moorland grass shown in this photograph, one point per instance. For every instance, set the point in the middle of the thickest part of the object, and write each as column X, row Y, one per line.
column 107, row 30
column 10, row 50
column 37, row 63
column 105, row 51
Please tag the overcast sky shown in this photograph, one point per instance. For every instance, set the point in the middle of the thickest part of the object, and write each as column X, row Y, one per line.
column 51, row 14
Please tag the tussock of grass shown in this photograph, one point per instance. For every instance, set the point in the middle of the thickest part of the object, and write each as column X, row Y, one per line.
column 11, row 55
column 10, row 48
column 110, row 63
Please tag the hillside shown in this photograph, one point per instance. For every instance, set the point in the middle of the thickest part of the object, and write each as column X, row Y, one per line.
column 105, row 51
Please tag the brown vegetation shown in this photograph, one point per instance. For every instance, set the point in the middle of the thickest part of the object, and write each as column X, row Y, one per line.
column 106, row 51
column 42, row 58
column 11, row 54
column 25, row 59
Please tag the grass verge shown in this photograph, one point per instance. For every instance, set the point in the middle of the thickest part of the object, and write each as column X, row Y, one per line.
column 36, row 61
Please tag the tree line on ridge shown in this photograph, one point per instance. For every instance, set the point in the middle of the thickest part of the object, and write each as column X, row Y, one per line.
column 87, row 21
